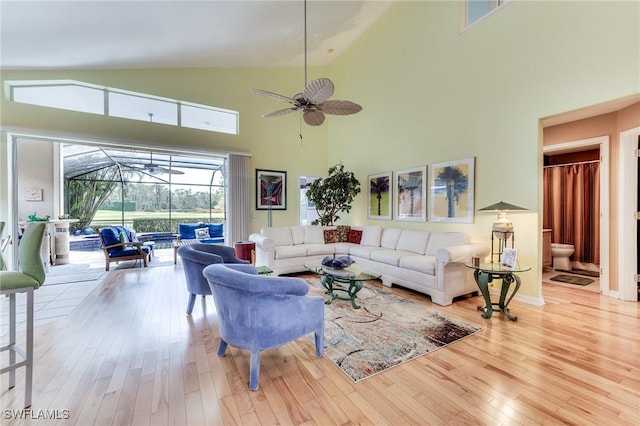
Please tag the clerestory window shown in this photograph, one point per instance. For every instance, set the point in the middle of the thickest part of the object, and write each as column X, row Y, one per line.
column 475, row 10
column 84, row 97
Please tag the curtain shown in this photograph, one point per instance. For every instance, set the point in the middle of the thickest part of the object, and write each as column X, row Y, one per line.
column 572, row 208
column 238, row 189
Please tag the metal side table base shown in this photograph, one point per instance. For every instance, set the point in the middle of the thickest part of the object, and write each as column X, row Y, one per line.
column 484, row 275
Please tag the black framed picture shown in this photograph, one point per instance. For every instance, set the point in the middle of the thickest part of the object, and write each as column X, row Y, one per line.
column 271, row 190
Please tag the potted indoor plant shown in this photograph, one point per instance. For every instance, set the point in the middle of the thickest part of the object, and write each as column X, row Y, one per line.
column 333, row 194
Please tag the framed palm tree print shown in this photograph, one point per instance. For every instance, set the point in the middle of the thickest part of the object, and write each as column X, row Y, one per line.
column 411, row 194
column 452, row 189
column 380, row 196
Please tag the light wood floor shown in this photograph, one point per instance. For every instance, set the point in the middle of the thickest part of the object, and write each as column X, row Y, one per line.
column 130, row 355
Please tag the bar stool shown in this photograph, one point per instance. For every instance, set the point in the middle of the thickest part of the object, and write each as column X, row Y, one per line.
column 30, row 278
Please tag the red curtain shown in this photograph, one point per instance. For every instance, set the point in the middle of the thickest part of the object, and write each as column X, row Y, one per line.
column 572, row 208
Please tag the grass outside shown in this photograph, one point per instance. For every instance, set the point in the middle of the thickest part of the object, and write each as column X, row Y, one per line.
column 116, row 216
column 112, row 217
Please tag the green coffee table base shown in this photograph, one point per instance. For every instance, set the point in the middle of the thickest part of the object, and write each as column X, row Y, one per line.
column 354, row 286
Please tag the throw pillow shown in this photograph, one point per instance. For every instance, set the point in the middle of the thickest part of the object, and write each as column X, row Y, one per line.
column 330, row 236
column 355, row 236
column 202, row 233
column 123, row 238
column 215, row 230
column 343, row 233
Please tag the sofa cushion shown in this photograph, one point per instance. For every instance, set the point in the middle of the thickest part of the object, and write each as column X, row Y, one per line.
column 363, row 251
column 342, row 248
column 128, row 237
column 390, row 237
column 122, row 252
column 216, row 230
column 287, row 252
column 355, row 236
column 370, row 235
column 313, row 234
column 424, row 264
column 343, row 233
column 110, row 236
column 280, row 236
column 297, row 232
column 187, row 231
column 331, row 236
column 439, row 240
column 319, row 249
column 390, row 257
column 415, row 241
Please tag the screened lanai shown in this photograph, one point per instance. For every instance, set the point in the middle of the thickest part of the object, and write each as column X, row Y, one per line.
column 149, row 191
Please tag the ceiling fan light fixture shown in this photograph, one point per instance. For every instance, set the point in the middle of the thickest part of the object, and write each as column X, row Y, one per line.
column 313, row 101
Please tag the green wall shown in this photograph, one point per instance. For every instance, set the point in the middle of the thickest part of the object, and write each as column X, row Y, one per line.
column 430, row 93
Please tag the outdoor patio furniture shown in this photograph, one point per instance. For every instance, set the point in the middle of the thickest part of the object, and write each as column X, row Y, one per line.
column 116, row 248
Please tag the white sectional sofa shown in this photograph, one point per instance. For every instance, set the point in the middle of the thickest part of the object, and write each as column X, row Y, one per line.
column 429, row 262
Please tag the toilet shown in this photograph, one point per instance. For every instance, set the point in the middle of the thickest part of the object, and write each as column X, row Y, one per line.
column 561, row 253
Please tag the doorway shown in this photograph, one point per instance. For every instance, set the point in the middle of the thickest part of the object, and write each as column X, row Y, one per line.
column 150, row 192
column 628, row 215
column 601, row 145
column 308, row 211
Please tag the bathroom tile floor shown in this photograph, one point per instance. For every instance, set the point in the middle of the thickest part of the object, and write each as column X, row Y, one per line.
column 547, row 274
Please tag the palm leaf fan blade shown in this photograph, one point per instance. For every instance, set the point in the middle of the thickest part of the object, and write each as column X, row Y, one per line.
column 313, row 117
column 318, row 91
column 275, row 96
column 280, row 112
column 340, row 107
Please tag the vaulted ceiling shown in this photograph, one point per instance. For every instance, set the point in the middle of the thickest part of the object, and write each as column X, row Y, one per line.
column 178, row 34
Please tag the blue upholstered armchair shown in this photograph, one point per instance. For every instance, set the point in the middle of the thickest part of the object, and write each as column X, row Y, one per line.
column 194, row 259
column 258, row 312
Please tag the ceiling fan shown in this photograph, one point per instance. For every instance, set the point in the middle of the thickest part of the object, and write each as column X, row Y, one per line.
column 152, row 168
column 313, row 101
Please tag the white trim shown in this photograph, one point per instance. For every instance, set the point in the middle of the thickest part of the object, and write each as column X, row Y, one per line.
column 11, row 85
column 601, row 142
column 627, row 206
column 110, row 142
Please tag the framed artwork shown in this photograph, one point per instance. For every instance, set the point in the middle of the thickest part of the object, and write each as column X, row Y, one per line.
column 452, row 189
column 271, row 190
column 379, row 190
column 411, row 194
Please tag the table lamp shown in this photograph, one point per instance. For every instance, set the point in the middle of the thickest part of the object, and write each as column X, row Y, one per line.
column 502, row 228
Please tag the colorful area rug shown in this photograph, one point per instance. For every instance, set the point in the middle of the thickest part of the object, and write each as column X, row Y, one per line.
column 387, row 331
column 571, row 279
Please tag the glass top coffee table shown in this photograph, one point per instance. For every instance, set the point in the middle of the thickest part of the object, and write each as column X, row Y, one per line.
column 346, row 281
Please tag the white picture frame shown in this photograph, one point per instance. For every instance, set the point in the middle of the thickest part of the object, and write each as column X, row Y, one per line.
column 509, row 258
column 452, row 191
column 410, row 186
